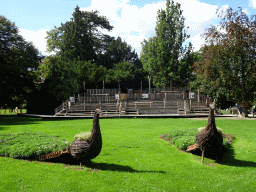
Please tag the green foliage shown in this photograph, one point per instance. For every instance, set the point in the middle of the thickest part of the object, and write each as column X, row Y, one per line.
column 119, row 51
column 81, row 38
column 83, row 135
column 160, row 54
column 64, row 78
column 183, row 142
column 218, row 129
column 18, row 62
column 227, row 68
column 30, row 145
column 183, row 138
column 120, row 71
column 84, row 54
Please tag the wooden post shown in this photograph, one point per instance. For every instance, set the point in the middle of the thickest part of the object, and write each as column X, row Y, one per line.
column 198, row 96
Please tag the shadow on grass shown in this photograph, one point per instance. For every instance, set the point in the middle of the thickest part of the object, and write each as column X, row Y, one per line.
column 229, row 159
column 8, row 120
column 16, row 120
column 69, row 160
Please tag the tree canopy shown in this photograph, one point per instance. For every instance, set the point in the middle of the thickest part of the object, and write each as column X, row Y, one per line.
column 119, row 51
column 83, row 48
column 18, row 61
column 121, row 71
column 81, row 37
column 161, row 54
column 227, row 66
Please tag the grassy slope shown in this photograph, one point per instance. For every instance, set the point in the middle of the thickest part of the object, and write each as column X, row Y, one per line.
column 133, row 158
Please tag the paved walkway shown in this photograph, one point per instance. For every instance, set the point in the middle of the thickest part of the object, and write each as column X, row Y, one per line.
column 133, row 116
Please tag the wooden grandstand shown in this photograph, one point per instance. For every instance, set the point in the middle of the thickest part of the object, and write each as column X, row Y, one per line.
column 159, row 101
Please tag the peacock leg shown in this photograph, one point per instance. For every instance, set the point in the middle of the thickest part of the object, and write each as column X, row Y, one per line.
column 202, row 156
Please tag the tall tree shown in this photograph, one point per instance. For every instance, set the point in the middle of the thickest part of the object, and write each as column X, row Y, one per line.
column 63, row 79
column 162, row 53
column 81, row 38
column 121, row 71
column 228, row 62
column 18, row 61
column 119, row 51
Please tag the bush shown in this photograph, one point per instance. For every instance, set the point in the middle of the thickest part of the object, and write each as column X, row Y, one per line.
column 185, row 137
column 183, row 142
column 30, row 145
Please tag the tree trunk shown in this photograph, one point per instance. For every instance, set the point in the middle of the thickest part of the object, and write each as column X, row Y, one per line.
column 245, row 105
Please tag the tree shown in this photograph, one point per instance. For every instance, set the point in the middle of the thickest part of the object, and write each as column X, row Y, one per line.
column 18, row 63
column 63, row 79
column 119, row 51
column 81, row 38
column 60, row 77
column 162, row 53
column 121, row 71
column 228, row 62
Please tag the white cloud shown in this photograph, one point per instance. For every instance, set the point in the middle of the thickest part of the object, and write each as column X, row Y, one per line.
column 134, row 24
column 37, row 37
column 141, row 21
column 253, row 3
column 197, row 41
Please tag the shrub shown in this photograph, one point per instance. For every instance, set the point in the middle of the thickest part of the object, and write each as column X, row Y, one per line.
column 29, row 145
column 183, row 138
column 183, row 142
column 83, row 135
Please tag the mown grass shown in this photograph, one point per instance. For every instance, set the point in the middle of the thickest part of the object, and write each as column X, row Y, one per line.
column 133, row 158
column 8, row 112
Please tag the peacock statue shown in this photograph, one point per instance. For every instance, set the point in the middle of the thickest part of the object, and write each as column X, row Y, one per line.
column 209, row 139
column 85, row 150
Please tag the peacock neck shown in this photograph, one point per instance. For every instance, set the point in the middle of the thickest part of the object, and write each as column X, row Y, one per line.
column 211, row 121
column 96, row 125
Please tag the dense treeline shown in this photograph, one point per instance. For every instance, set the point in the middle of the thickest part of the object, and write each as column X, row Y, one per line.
column 224, row 68
column 85, row 54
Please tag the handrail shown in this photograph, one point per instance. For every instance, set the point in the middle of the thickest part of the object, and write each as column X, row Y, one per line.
column 62, row 107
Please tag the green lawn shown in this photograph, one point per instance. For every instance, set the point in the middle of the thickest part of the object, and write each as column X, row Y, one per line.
column 133, row 158
column 7, row 111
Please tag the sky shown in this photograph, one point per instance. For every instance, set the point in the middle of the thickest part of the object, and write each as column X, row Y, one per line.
column 133, row 20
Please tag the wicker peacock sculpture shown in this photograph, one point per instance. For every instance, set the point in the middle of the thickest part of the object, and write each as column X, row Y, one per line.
column 209, row 139
column 85, row 150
